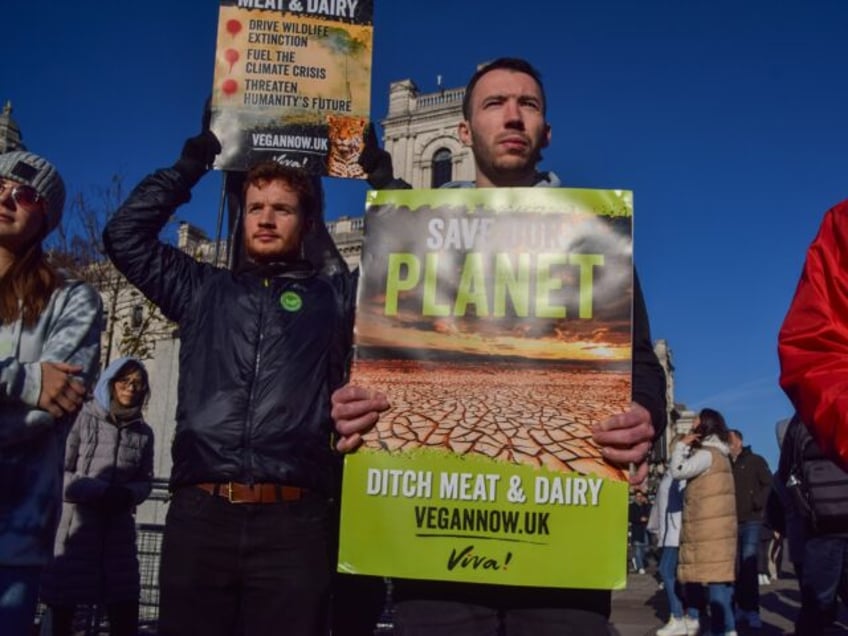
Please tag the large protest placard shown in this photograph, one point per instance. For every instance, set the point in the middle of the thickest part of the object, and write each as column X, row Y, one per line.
column 498, row 321
column 293, row 83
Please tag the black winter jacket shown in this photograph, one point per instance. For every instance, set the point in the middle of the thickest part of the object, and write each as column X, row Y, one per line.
column 261, row 350
column 752, row 478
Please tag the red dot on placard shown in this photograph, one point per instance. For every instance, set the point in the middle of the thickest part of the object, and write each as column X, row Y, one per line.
column 233, row 27
column 232, row 56
column 229, row 86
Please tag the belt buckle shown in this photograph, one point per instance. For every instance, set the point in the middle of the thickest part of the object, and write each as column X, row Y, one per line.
column 230, row 494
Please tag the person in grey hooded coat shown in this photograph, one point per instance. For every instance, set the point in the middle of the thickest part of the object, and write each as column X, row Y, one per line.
column 108, row 472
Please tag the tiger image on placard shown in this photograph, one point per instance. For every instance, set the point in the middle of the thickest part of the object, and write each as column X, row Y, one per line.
column 346, row 141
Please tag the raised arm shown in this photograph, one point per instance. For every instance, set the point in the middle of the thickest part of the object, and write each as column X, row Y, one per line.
column 164, row 274
column 687, row 466
column 377, row 164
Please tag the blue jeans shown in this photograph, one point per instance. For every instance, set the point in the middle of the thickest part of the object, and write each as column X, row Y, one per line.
column 18, row 598
column 825, row 571
column 668, row 575
column 719, row 597
column 747, row 581
column 638, row 555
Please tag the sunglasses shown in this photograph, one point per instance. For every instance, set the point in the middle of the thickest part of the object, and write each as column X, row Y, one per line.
column 128, row 383
column 23, row 195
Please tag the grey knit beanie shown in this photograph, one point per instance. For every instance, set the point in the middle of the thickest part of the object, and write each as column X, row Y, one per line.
column 39, row 173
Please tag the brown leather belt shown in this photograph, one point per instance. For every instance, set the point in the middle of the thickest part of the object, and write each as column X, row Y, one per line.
column 257, row 493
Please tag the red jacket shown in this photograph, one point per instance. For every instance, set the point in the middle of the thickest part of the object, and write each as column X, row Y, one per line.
column 813, row 341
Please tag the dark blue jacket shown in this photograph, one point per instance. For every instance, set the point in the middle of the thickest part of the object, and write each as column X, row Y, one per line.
column 262, row 349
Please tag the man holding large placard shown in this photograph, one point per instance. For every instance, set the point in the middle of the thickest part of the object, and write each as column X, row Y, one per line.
column 506, row 128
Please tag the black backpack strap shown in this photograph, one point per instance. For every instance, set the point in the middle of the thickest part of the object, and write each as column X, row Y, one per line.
column 789, row 461
column 790, row 466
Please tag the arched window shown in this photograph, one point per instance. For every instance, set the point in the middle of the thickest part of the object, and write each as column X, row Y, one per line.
column 442, row 168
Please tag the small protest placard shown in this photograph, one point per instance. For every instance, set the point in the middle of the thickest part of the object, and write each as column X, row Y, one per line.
column 293, row 83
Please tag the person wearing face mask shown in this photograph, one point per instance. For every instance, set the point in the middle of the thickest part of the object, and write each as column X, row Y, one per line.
column 108, row 472
column 49, row 347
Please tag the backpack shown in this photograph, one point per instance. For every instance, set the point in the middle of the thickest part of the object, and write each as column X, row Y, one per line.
column 818, row 486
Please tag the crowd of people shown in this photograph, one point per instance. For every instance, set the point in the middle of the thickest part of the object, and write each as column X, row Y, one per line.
column 720, row 519
column 265, row 414
column 697, row 510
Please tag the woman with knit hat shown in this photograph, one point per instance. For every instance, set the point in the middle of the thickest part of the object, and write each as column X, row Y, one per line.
column 108, row 472
column 49, row 349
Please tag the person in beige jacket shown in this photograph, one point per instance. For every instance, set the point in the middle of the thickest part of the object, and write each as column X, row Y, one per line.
column 708, row 533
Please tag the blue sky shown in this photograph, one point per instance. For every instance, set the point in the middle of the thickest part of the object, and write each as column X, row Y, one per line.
column 727, row 119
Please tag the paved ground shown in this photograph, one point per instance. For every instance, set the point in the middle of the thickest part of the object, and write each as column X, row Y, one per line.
column 642, row 608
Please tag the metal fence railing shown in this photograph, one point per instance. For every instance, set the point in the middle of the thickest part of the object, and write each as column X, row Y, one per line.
column 149, row 544
column 91, row 620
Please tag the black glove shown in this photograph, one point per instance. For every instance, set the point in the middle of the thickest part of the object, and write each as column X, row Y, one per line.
column 198, row 156
column 117, row 499
column 376, row 162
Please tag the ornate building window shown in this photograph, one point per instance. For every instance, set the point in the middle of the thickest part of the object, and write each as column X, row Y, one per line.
column 442, row 168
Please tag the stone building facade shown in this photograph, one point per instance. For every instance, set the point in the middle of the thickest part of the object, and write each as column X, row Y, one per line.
column 420, row 132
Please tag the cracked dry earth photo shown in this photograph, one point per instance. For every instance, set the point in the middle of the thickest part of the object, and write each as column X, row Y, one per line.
column 534, row 416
